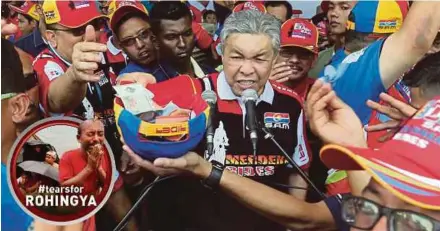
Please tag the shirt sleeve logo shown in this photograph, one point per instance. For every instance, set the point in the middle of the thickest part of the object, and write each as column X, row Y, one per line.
column 52, row 70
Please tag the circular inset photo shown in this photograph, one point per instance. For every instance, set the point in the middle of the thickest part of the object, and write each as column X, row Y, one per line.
column 61, row 170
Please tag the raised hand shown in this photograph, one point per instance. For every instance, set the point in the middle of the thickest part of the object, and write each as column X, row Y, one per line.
column 86, row 56
column 397, row 111
column 331, row 119
column 8, row 28
column 280, row 72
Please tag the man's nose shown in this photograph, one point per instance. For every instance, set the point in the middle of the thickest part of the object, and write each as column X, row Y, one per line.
column 293, row 59
column 181, row 43
column 247, row 67
column 139, row 43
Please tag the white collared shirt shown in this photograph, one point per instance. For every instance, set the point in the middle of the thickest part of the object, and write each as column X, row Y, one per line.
column 224, row 91
column 113, row 49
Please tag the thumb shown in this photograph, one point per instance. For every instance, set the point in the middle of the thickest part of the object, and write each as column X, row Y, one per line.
column 90, row 35
column 337, row 103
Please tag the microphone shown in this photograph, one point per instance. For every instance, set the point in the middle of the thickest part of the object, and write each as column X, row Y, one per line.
column 211, row 99
column 249, row 97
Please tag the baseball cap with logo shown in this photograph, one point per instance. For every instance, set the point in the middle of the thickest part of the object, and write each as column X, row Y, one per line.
column 381, row 17
column 300, row 32
column 249, row 6
column 118, row 9
column 71, row 14
column 27, row 8
column 151, row 140
column 407, row 165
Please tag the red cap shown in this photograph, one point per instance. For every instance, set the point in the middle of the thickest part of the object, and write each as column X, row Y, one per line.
column 249, row 6
column 71, row 14
column 118, row 9
column 28, row 8
column 300, row 32
column 325, row 5
column 407, row 165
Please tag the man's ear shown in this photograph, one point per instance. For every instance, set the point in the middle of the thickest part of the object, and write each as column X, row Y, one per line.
column 51, row 38
column 19, row 107
column 34, row 23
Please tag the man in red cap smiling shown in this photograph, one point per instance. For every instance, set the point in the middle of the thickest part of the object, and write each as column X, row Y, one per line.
column 299, row 47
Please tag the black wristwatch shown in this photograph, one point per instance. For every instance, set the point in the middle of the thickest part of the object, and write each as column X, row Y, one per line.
column 213, row 180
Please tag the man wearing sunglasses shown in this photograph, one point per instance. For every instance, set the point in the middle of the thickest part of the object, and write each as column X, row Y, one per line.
column 132, row 32
column 403, row 193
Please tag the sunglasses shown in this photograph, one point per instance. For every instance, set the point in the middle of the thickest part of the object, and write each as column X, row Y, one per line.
column 143, row 36
column 98, row 24
column 364, row 214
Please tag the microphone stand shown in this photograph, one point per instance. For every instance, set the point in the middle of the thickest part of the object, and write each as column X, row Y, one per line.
column 269, row 135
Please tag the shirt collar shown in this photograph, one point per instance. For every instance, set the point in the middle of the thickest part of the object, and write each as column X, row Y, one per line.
column 197, row 69
column 59, row 56
column 38, row 39
column 224, row 91
column 111, row 47
column 201, row 7
column 170, row 71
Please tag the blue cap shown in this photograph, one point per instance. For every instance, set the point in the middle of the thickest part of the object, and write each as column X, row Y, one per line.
column 144, row 138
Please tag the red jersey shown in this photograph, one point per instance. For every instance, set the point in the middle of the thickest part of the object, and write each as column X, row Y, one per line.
column 302, row 88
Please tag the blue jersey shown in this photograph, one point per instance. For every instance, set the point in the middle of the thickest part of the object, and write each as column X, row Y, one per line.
column 13, row 217
column 356, row 78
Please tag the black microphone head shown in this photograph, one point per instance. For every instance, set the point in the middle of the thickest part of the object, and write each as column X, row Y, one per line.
column 209, row 96
column 249, row 95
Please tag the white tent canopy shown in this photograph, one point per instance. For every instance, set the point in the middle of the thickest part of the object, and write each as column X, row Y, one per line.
column 62, row 137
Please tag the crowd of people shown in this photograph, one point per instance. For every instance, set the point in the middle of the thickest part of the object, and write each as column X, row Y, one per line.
column 352, row 95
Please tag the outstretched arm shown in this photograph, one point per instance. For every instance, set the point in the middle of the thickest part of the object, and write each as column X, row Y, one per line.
column 406, row 47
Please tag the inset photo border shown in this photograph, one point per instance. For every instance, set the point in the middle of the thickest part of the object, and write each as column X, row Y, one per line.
column 60, row 173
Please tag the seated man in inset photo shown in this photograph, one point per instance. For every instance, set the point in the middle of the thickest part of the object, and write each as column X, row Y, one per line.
column 51, row 157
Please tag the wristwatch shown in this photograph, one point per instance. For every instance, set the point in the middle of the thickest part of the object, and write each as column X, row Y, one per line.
column 213, row 180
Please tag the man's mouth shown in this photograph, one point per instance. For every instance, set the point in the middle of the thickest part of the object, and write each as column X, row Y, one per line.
column 334, row 24
column 296, row 69
column 182, row 55
column 245, row 84
column 144, row 54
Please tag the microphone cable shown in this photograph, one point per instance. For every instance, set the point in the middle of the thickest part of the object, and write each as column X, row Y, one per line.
column 139, row 200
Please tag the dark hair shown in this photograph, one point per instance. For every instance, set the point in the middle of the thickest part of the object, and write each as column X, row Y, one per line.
column 425, row 75
column 126, row 17
column 208, row 12
column 28, row 18
column 168, row 10
column 281, row 3
column 12, row 70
